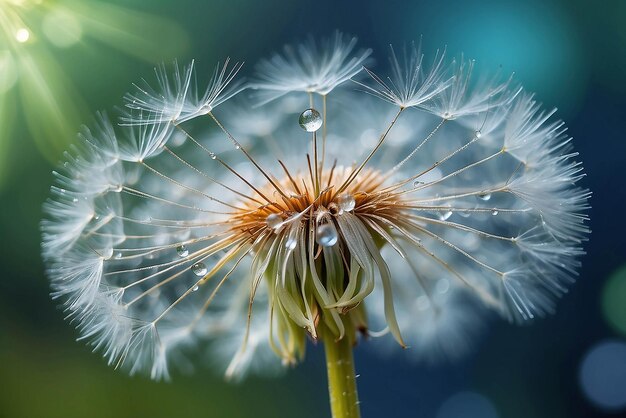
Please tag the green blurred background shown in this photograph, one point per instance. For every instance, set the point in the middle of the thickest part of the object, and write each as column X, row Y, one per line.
column 78, row 56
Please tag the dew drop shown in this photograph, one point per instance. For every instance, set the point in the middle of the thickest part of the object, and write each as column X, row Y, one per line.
column 290, row 243
column 326, row 235
column 445, row 215
column 310, row 120
column 107, row 253
column 213, row 155
column 195, row 288
column 199, row 269
column 117, row 256
column 182, row 251
column 75, row 200
column 346, row 202
column 494, row 212
column 274, row 221
column 237, row 146
column 478, row 134
column 418, row 183
column 484, row 196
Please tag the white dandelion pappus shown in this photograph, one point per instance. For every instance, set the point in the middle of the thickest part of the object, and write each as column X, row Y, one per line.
column 410, row 84
column 309, row 68
column 467, row 96
column 176, row 99
column 439, row 319
column 417, row 208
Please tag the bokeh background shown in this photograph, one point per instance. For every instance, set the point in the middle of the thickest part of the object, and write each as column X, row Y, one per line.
column 62, row 60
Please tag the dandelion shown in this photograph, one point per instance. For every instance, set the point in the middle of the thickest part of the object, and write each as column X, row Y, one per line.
column 405, row 215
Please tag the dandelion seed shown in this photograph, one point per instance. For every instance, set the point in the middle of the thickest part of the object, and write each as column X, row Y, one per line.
column 310, row 68
column 244, row 242
column 409, row 84
column 176, row 99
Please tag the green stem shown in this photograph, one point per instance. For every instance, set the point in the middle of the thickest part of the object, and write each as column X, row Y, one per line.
column 344, row 401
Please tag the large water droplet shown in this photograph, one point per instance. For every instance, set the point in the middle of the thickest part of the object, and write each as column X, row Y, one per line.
column 484, row 196
column 346, row 202
column 310, row 120
column 195, row 288
column 274, row 221
column 199, row 269
column 182, row 251
column 326, row 235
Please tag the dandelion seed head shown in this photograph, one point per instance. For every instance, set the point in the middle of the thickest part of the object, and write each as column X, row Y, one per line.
column 203, row 220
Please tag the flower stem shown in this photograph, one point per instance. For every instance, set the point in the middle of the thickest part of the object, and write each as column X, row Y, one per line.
column 344, row 401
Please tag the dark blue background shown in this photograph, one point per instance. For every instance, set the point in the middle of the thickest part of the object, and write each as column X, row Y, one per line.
column 572, row 53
